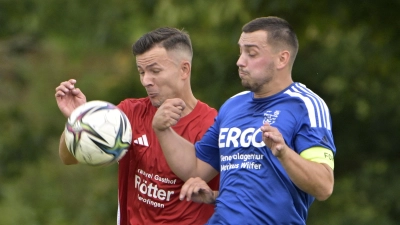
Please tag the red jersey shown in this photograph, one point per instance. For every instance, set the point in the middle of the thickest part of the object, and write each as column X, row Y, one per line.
column 148, row 191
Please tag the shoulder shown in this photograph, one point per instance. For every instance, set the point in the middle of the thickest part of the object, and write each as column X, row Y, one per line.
column 136, row 105
column 204, row 108
column 299, row 92
column 237, row 100
column 309, row 105
column 242, row 94
column 203, row 114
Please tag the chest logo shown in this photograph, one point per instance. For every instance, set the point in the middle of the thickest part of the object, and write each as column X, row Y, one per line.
column 270, row 116
column 142, row 141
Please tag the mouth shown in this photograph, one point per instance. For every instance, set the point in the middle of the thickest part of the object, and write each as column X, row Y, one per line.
column 242, row 74
column 151, row 94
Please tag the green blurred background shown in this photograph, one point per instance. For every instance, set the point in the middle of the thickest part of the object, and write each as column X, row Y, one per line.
column 349, row 54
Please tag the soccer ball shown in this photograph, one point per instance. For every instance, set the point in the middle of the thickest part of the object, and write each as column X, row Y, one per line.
column 97, row 133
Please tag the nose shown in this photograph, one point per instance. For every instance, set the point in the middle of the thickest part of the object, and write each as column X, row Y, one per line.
column 146, row 80
column 241, row 61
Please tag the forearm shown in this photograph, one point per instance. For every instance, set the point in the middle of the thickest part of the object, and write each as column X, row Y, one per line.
column 66, row 157
column 179, row 153
column 311, row 177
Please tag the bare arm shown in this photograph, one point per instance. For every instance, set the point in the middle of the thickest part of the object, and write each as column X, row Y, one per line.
column 180, row 153
column 314, row 178
column 68, row 98
column 66, row 157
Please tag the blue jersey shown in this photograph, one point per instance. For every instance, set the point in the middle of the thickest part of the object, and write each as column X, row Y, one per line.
column 254, row 187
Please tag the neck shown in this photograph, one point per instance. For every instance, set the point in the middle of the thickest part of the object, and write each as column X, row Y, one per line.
column 190, row 102
column 190, row 105
column 273, row 87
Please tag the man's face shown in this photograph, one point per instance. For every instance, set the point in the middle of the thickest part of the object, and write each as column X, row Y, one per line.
column 256, row 60
column 159, row 74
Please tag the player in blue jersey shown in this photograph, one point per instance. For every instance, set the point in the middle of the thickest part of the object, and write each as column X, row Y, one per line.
column 272, row 145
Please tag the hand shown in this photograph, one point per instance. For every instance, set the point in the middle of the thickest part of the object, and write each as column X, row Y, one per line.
column 274, row 140
column 197, row 190
column 168, row 114
column 68, row 97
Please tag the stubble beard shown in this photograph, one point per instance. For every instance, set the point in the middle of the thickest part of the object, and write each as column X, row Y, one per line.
column 157, row 102
column 256, row 86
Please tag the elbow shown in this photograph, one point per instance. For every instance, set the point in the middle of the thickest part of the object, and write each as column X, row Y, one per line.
column 324, row 193
column 68, row 161
column 326, row 185
column 323, row 197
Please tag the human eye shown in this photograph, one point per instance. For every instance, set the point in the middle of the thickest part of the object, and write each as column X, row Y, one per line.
column 252, row 53
column 156, row 71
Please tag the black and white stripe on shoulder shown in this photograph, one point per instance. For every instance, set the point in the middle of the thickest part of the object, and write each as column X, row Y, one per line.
column 318, row 111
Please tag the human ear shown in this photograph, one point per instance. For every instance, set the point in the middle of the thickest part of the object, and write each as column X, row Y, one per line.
column 186, row 68
column 283, row 59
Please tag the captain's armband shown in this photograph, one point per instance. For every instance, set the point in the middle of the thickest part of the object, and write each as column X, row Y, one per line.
column 319, row 155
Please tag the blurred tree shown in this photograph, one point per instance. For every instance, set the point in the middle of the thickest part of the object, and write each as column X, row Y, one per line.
column 349, row 55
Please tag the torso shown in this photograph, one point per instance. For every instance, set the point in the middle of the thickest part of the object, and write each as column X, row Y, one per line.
column 146, row 183
column 255, row 189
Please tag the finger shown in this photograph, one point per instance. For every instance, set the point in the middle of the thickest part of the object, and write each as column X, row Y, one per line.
column 66, row 86
column 184, row 189
column 196, row 189
column 265, row 125
column 76, row 91
column 277, row 137
column 170, row 113
column 171, row 122
column 270, row 136
column 62, row 88
column 189, row 193
column 169, row 116
column 182, row 195
column 178, row 103
column 267, row 128
column 175, row 115
column 60, row 94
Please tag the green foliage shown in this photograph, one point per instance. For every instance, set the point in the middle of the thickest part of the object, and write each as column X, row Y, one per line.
column 50, row 193
column 349, row 55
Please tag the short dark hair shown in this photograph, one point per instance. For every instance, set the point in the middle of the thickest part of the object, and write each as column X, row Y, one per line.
column 279, row 32
column 166, row 37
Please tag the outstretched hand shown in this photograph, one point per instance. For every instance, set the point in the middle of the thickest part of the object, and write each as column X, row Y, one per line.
column 168, row 114
column 197, row 190
column 274, row 140
column 68, row 97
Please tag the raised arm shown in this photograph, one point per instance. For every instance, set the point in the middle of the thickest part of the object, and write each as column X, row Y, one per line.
column 68, row 98
column 180, row 153
column 66, row 157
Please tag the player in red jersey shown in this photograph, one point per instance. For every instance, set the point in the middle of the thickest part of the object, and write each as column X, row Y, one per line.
column 148, row 191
